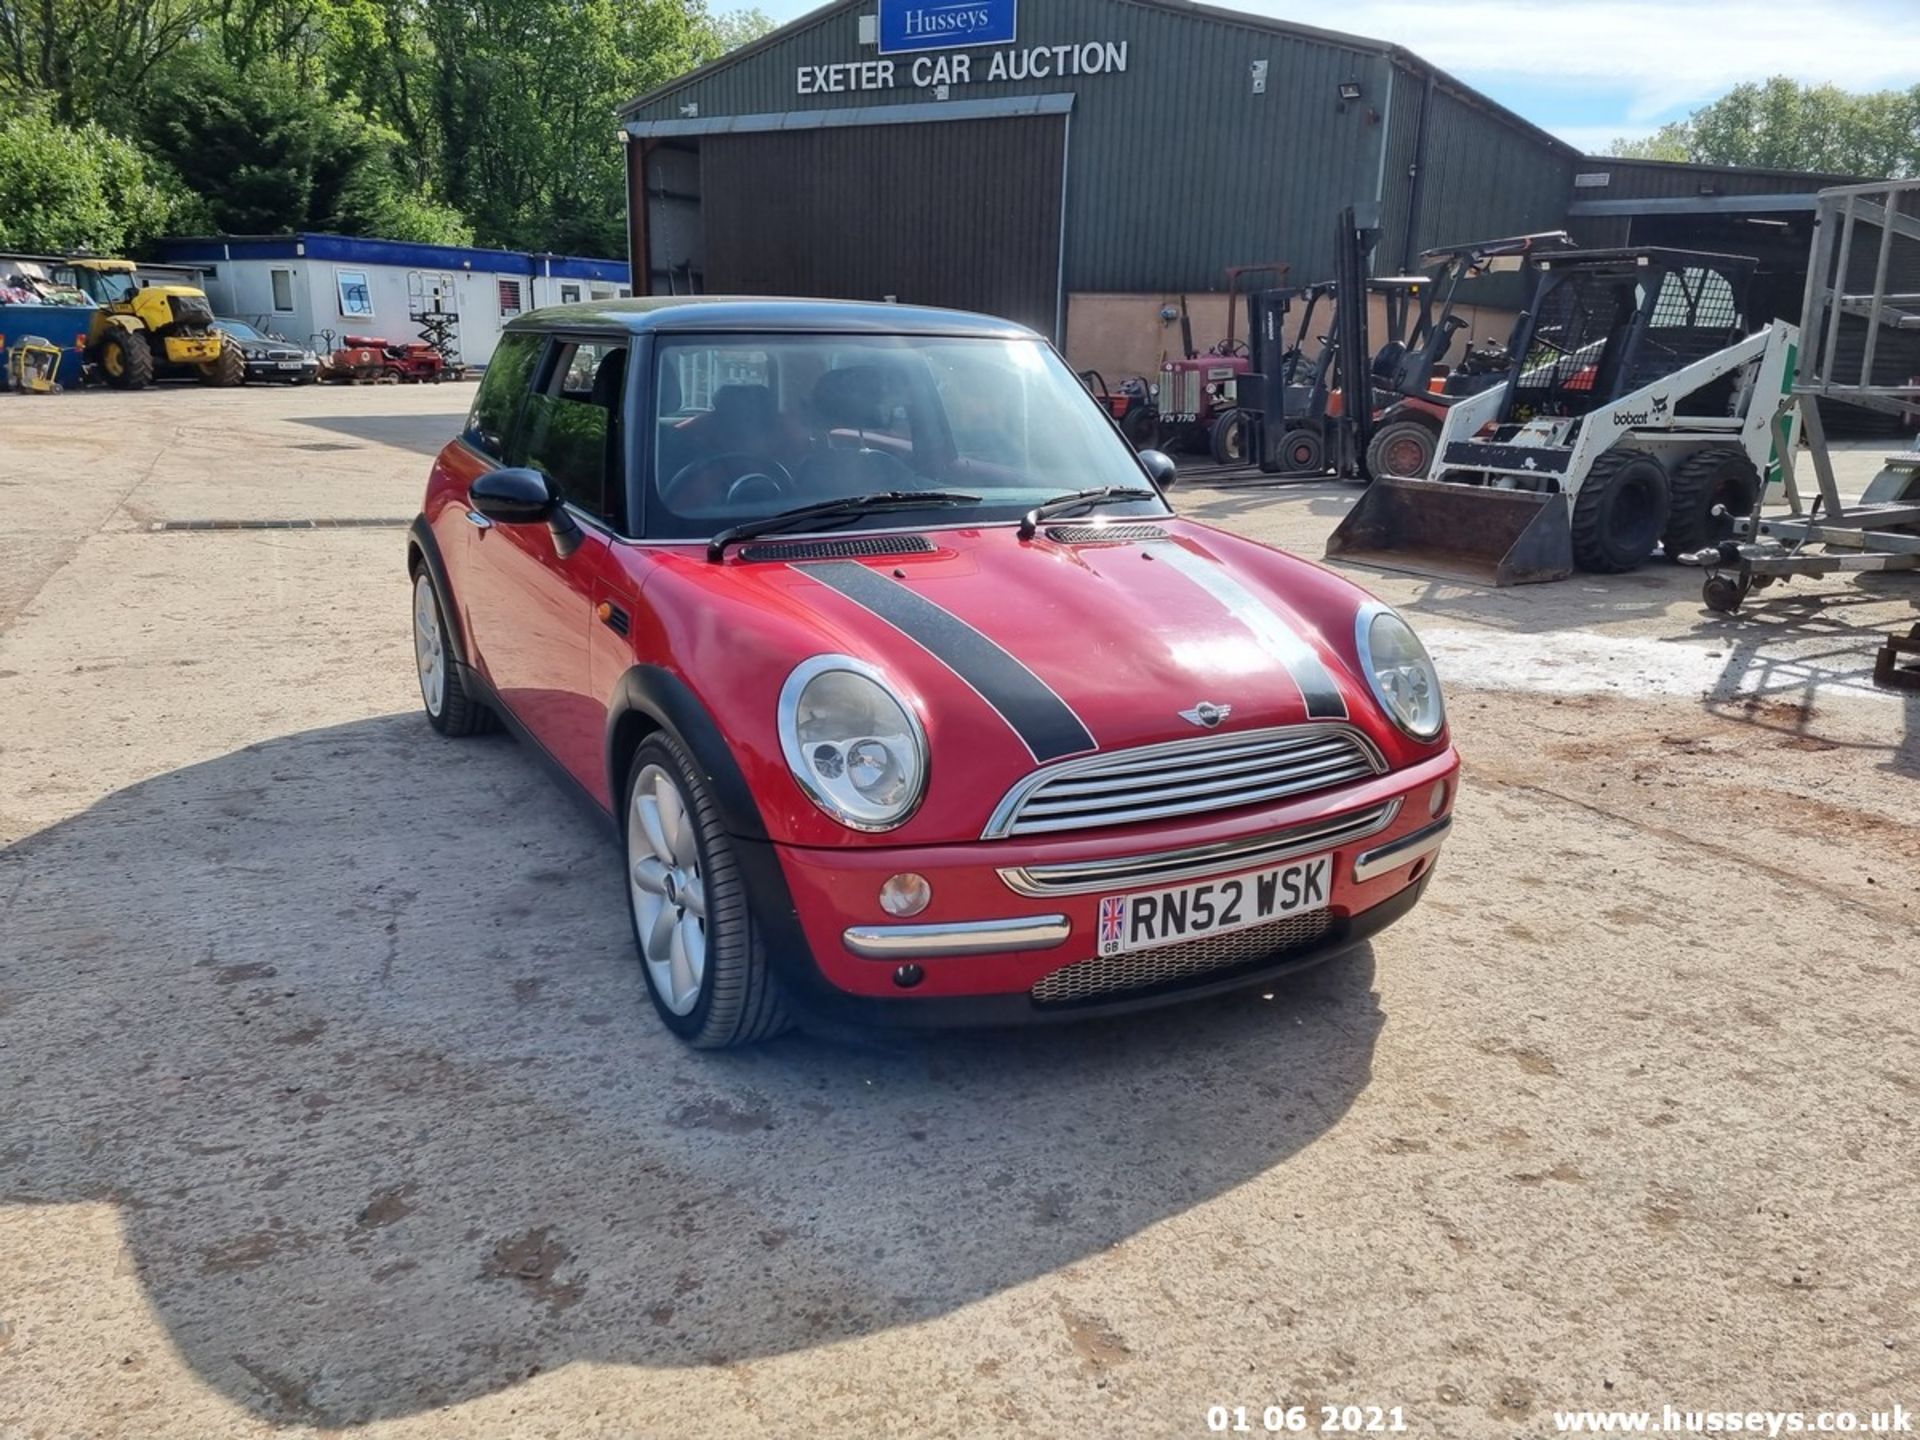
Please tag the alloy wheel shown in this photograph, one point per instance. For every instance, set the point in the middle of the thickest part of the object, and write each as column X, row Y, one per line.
column 429, row 650
column 668, row 894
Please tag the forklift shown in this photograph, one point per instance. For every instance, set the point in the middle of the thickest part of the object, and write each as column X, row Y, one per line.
column 1295, row 415
column 1419, row 386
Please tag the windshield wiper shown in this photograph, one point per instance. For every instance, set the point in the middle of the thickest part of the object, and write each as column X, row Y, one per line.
column 1079, row 499
column 850, row 507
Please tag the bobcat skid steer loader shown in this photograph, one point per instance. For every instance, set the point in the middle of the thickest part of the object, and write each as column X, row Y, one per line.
column 1638, row 401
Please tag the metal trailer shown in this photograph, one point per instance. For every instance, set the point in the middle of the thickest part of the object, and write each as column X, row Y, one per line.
column 1862, row 230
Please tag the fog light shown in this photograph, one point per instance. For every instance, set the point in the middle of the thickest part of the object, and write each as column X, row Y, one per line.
column 1439, row 800
column 906, row 895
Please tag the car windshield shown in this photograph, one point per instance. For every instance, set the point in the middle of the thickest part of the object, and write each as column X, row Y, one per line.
column 746, row 426
column 239, row 329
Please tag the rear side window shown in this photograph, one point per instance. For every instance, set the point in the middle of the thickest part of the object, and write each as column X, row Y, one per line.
column 570, row 431
column 497, row 406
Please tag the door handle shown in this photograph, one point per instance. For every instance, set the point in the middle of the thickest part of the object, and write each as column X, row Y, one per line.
column 478, row 521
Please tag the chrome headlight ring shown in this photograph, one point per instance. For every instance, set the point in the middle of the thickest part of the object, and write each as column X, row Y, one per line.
column 853, row 744
column 1399, row 672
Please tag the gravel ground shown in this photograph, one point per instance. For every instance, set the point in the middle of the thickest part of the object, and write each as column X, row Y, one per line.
column 330, row 1097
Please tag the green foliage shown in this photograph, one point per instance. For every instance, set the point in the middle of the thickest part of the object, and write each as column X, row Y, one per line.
column 70, row 187
column 1787, row 126
column 452, row 121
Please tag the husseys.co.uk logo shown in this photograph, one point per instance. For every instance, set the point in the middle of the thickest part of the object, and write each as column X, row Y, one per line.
column 909, row 25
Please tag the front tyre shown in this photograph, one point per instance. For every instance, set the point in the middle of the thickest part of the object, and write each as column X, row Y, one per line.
column 227, row 368
column 700, row 946
column 126, row 359
column 1620, row 512
column 1228, row 438
column 450, row 709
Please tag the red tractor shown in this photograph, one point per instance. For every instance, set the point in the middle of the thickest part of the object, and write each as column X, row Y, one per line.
column 363, row 358
column 1195, row 389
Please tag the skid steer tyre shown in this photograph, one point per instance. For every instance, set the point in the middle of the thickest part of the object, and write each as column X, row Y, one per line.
column 126, row 359
column 228, row 368
column 1620, row 512
column 1718, row 475
column 1403, row 449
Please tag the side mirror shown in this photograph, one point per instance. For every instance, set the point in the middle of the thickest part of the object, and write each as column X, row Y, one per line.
column 1159, row 467
column 514, row 497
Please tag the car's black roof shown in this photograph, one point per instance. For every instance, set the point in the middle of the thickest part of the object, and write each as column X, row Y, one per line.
column 707, row 313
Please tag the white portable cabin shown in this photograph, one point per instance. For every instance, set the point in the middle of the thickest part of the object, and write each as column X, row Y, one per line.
column 318, row 289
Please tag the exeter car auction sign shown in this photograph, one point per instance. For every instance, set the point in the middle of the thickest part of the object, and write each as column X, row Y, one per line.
column 909, row 25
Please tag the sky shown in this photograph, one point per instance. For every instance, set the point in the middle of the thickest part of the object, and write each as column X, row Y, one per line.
column 1591, row 70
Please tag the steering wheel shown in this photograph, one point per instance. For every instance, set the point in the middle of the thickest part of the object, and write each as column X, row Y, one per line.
column 750, row 476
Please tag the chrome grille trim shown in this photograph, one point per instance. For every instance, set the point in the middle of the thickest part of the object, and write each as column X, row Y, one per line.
column 1194, row 960
column 1163, row 867
column 1185, row 777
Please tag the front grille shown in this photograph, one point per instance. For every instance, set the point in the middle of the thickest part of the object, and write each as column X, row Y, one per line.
column 1180, row 392
column 1185, row 777
column 1204, row 958
column 1137, row 871
column 853, row 548
column 1096, row 534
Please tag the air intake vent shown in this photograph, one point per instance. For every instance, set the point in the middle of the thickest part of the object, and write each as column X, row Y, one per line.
column 858, row 547
column 1188, row 962
column 1097, row 534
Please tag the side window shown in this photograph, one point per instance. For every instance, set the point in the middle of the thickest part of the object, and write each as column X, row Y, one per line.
column 571, row 429
column 282, row 291
column 497, row 406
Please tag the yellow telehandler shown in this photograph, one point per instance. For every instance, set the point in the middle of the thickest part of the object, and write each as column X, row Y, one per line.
column 141, row 331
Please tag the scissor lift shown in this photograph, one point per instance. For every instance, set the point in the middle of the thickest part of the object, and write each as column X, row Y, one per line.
column 1864, row 269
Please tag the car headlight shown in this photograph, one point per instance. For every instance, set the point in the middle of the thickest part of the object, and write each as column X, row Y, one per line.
column 1399, row 670
column 856, row 748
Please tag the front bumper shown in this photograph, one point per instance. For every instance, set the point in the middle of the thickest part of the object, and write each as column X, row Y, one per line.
column 1006, row 915
column 191, row 350
column 276, row 370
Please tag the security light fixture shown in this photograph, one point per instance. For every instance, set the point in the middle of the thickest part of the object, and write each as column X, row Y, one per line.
column 1349, row 90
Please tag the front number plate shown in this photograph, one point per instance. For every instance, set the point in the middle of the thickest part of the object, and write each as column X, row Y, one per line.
column 1213, row 907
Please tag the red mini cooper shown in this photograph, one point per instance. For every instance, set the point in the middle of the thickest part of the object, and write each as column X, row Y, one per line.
column 907, row 693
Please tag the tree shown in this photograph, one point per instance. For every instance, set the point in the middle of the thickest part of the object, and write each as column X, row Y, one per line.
column 72, row 187
column 267, row 155
column 1788, row 126
column 414, row 119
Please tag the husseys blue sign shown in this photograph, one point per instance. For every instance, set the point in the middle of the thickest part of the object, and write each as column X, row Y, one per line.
column 909, row 25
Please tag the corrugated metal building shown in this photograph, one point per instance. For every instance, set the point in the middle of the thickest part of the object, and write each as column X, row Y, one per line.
column 1087, row 165
column 1109, row 148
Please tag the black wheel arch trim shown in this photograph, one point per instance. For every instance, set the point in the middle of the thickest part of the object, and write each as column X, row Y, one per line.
column 668, row 703
column 420, row 537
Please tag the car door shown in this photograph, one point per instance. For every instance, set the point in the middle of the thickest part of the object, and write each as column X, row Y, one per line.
column 530, row 598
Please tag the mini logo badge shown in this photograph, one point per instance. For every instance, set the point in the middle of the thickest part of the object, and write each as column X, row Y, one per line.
column 1206, row 714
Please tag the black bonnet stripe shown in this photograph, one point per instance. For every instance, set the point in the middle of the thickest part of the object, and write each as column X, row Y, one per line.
column 1037, row 715
column 1318, row 688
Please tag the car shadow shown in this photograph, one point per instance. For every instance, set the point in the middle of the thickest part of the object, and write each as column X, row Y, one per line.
column 347, row 1027
column 425, row 433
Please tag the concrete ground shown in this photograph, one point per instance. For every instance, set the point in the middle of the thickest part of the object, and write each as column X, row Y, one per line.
column 330, row 1097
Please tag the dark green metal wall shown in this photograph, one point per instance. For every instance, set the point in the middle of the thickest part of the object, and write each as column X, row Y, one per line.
column 1176, row 169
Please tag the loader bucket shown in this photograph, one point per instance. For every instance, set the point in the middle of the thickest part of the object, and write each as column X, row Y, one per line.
column 1464, row 532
